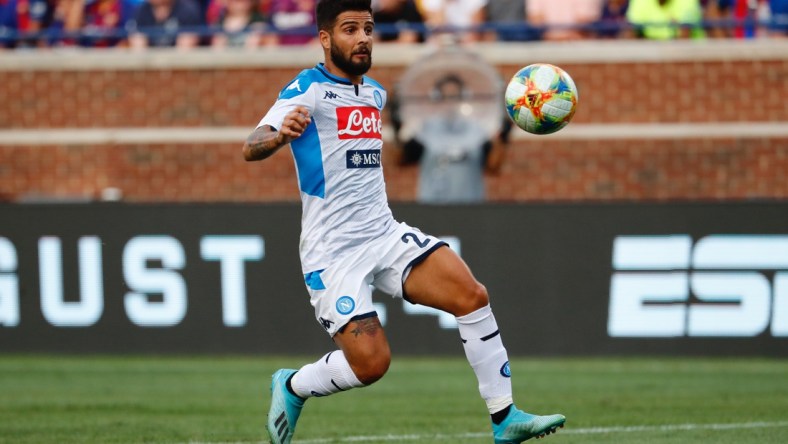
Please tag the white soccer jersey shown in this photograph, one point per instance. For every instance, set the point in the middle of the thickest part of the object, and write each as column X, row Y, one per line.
column 338, row 160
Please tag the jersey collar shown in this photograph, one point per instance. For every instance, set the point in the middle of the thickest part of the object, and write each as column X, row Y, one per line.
column 322, row 68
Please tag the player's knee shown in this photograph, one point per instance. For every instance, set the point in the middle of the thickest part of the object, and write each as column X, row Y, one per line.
column 475, row 298
column 373, row 367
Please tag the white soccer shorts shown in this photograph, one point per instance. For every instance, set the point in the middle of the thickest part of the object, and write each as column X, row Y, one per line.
column 343, row 292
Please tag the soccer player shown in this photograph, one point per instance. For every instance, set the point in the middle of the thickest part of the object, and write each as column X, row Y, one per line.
column 330, row 116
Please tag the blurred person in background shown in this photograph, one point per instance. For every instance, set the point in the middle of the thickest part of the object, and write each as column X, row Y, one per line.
column 403, row 15
column 666, row 19
column 216, row 8
column 57, row 32
column 749, row 15
column 510, row 19
column 613, row 22
column 293, row 21
column 63, row 22
column 25, row 17
column 778, row 10
column 8, row 24
column 456, row 17
column 240, row 25
column 737, row 18
column 166, row 23
column 564, row 19
column 719, row 15
column 99, row 23
column 453, row 152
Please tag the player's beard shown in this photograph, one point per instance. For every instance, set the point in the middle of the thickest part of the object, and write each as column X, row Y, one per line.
column 347, row 65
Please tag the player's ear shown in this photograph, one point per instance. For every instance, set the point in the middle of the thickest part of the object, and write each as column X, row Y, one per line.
column 325, row 39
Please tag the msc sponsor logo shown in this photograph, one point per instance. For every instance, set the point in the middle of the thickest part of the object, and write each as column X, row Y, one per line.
column 363, row 158
column 359, row 122
column 719, row 286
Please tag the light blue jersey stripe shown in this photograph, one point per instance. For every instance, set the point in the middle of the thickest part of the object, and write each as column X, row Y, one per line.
column 309, row 162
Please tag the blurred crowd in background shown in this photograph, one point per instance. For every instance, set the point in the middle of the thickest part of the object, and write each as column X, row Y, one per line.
column 259, row 23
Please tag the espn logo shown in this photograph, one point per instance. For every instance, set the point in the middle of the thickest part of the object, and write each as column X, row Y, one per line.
column 359, row 122
column 722, row 286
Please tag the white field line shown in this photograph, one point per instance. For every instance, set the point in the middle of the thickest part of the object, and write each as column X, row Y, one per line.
column 569, row 431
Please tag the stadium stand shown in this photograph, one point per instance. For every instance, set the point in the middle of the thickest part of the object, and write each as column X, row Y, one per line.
column 56, row 23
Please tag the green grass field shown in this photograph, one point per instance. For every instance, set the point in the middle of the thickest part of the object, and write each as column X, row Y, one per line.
column 52, row 399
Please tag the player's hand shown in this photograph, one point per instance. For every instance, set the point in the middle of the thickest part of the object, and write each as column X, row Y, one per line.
column 294, row 124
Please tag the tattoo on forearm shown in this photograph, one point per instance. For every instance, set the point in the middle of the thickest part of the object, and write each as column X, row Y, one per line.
column 262, row 143
column 369, row 326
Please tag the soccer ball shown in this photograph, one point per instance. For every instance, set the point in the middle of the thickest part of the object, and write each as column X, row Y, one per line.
column 541, row 98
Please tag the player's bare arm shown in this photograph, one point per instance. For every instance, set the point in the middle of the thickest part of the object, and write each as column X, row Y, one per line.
column 265, row 140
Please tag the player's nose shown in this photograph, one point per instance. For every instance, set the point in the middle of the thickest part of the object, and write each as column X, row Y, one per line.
column 363, row 37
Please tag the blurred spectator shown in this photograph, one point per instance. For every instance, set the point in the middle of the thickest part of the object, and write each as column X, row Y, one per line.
column 240, row 24
column 162, row 23
column 460, row 14
column 613, row 21
column 510, row 20
column 56, row 26
column 719, row 15
column 294, row 21
column 778, row 10
column 7, row 22
column 99, row 22
column 733, row 17
column 401, row 15
column 453, row 151
column 666, row 19
column 564, row 19
column 20, row 17
column 215, row 8
column 754, row 14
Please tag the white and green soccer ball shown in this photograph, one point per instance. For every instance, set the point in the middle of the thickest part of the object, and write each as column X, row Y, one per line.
column 541, row 98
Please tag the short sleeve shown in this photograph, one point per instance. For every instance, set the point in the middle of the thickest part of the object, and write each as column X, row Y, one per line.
column 293, row 95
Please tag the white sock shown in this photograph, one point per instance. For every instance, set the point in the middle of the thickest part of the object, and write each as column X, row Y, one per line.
column 330, row 374
column 487, row 355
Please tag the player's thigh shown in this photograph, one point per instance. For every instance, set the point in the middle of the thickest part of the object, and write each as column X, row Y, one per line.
column 444, row 281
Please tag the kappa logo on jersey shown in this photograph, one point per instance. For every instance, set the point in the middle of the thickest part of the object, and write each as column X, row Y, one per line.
column 359, row 122
column 363, row 158
column 331, row 95
column 295, row 86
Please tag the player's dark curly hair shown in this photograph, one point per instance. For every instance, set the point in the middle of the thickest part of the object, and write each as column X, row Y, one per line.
column 329, row 10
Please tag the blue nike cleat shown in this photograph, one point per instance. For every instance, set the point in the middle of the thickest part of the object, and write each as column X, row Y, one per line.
column 285, row 409
column 519, row 426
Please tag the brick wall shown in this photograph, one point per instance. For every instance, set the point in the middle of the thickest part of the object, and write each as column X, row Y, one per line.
column 663, row 90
